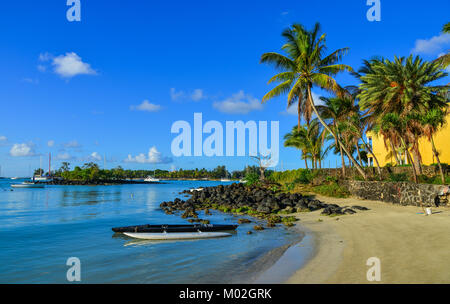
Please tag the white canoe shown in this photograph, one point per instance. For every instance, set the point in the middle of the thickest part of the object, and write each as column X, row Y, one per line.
column 176, row 235
column 27, row 185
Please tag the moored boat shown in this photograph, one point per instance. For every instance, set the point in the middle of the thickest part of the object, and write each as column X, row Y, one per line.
column 175, row 228
column 27, row 185
column 176, row 235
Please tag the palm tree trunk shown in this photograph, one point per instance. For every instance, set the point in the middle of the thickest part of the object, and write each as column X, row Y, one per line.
column 358, row 167
column 299, row 115
column 438, row 160
column 359, row 153
column 410, row 160
column 374, row 157
column 416, row 162
column 342, row 159
column 306, row 163
column 394, row 152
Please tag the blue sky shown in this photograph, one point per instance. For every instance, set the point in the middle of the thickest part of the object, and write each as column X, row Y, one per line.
column 116, row 81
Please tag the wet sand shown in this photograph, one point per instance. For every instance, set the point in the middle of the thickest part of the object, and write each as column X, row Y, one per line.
column 412, row 247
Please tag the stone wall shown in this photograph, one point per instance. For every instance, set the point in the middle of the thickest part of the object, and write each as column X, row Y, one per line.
column 403, row 193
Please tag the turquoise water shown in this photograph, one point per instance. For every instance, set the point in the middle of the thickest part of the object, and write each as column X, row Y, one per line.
column 41, row 228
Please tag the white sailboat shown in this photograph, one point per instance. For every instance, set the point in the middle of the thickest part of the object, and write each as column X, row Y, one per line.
column 151, row 179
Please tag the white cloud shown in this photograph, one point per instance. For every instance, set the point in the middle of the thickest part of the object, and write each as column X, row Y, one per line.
column 293, row 110
column 153, row 157
column 433, row 45
column 51, row 143
column 64, row 156
column 174, row 95
column 146, row 106
column 197, row 95
column 70, row 65
column 95, row 156
column 18, row 150
column 239, row 103
column 3, row 138
column 72, row 144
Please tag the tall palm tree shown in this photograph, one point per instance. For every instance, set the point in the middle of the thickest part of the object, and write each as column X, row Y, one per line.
column 402, row 87
column 303, row 67
column 432, row 120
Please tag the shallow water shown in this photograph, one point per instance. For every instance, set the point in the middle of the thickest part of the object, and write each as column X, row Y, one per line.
column 41, row 228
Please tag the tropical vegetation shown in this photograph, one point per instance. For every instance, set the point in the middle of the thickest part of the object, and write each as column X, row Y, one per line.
column 399, row 99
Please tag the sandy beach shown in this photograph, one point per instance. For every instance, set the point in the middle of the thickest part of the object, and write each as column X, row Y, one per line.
column 412, row 247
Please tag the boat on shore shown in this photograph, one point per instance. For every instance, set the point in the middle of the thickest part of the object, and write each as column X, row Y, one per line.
column 174, row 228
column 28, row 185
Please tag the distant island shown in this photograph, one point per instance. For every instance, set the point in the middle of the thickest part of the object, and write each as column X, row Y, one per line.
column 91, row 174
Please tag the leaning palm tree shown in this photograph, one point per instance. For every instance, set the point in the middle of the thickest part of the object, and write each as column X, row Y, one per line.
column 402, row 87
column 432, row 120
column 304, row 67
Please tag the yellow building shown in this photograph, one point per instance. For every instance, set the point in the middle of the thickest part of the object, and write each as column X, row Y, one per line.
column 441, row 140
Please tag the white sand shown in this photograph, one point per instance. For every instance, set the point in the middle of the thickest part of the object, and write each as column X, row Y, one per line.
column 412, row 248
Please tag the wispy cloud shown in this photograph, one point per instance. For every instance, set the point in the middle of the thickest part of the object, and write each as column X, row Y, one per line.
column 433, row 45
column 195, row 95
column 67, row 65
column 146, row 106
column 21, row 150
column 50, row 143
column 239, row 103
column 3, row 138
column 64, row 156
column 174, row 95
column 153, row 157
column 73, row 144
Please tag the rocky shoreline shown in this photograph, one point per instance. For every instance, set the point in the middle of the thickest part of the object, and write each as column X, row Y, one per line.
column 262, row 203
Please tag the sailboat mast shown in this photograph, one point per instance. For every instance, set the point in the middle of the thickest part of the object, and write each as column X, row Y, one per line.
column 49, row 164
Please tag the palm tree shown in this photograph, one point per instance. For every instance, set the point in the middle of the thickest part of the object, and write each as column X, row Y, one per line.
column 310, row 140
column 394, row 123
column 402, row 87
column 432, row 120
column 335, row 110
column 446, row 28
column 445, row 59
column 298, row 138
column 303, row 67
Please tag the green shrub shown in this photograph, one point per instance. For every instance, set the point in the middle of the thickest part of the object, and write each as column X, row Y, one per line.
column 398, row 177
column 251, row 179
column 332, row 190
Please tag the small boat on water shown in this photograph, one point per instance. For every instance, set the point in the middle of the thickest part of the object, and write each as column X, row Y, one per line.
column 176, row 232
column 151, row 179
column 176, row 235
column 225, row 180
column 174, row 228
column 27, row 185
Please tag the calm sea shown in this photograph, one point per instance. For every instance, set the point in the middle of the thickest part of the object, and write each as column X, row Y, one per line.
column 41, row 228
